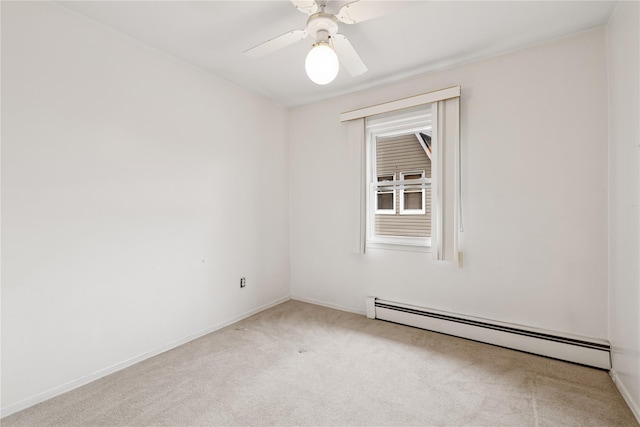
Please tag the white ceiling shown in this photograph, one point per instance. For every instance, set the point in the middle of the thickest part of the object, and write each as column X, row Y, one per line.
column 424, row 36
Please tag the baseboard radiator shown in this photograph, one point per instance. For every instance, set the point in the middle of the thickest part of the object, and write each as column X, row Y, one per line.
column 585, row 351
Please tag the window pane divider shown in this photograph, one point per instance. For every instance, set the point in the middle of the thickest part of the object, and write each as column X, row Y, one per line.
column 399, row 184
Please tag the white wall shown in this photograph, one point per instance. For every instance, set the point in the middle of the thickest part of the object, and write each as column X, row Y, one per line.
column 623, row 50
column 133, row 200
column 534, row 147
column 121, row 239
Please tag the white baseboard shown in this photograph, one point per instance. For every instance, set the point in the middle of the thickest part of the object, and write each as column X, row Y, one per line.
column 86, row 379
column 625, row 394
column 327, row 304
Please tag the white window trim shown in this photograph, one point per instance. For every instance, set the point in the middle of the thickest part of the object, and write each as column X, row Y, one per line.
column 401, row 104
column 412, row 189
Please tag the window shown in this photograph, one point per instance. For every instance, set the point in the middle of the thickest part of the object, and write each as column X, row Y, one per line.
column 385, row 197
column 399, row 166
column 405, row 174
column 412, row 201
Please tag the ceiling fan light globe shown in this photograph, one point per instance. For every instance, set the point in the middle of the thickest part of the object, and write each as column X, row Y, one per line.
column 322, row 64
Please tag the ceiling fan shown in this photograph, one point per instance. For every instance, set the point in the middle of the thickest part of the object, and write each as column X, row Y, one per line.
column 330, row 48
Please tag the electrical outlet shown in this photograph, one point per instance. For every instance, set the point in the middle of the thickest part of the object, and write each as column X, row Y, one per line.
column 243, row 282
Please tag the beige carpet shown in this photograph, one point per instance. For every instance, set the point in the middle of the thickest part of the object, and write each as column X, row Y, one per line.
column 300, row 364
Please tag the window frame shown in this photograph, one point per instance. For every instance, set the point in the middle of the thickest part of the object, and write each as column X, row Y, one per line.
column 403, row 191
column 395, row 127
column 391, row 211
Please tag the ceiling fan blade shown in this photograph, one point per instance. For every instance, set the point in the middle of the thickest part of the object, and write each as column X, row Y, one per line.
column 363, row 10
column 306, row 6
column 276, row 43
column 348, row 55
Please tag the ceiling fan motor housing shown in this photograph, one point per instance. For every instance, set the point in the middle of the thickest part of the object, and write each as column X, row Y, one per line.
column 322, row 26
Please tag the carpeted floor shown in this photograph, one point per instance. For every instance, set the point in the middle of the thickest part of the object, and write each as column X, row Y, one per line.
column 300, row 364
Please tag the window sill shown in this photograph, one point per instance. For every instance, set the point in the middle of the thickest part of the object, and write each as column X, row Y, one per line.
column 406, row 244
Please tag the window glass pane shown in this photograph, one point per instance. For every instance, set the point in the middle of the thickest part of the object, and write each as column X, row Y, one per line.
column 385, row 201
column 413, row 176
column 403, row 212
column 413, row 200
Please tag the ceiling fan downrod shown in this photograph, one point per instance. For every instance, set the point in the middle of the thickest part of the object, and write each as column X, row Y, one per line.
column 322, row 26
